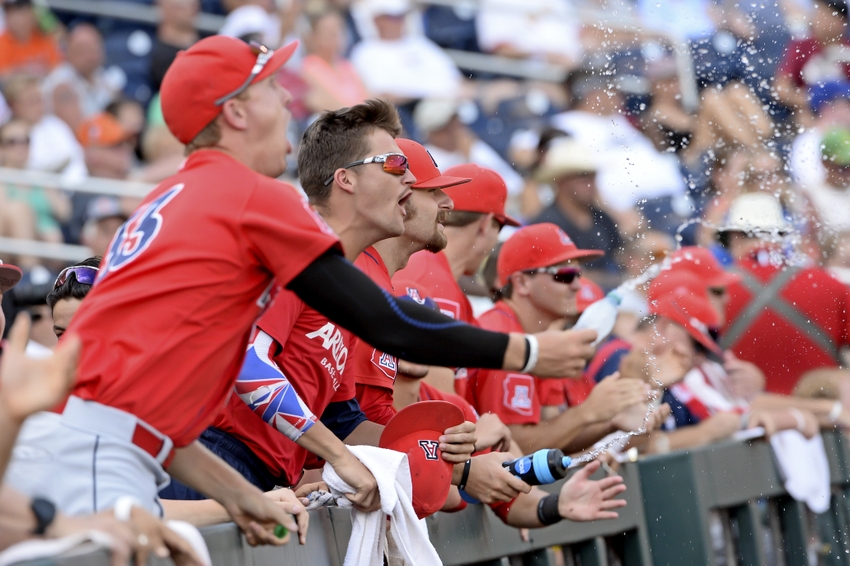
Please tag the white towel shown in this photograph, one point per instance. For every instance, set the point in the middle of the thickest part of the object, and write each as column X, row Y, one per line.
column 368, row 542
column 803, row 464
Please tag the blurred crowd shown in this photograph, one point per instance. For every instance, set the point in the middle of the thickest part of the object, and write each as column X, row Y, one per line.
column 708, row 169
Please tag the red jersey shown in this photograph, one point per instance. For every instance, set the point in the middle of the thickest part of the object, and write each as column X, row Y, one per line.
column 778, row 347
column 807, row 63
column 374, row 371
column 312, row 353
column 370, row 365
column 166, row 325
column 512, row 396
column 434, row 273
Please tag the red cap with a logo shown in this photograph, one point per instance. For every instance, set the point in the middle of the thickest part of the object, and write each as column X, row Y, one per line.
column 486, row 193
column 681, row 297
column 702, row 263
column 538, row 245
column 416, row 430
column 209, row 70
column 424, row 168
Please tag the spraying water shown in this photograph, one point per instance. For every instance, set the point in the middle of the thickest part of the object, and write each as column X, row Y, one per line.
column 602, row 318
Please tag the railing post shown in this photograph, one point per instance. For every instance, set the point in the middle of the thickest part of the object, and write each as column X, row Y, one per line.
column 676, row 512
column 593, row 552
column 750, row 533
column 795, row 531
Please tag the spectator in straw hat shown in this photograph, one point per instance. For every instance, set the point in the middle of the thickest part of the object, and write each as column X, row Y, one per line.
column 571, row 169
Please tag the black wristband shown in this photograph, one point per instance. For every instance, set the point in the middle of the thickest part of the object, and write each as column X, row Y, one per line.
column 527, row 351
column 547, row 510
column 44, row 511
column 465, row 476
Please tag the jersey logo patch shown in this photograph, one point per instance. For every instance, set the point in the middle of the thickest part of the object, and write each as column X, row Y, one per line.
column 137, row 234
column 519, row 391
column 413, row 293
column 385, row 362
column 430, row 449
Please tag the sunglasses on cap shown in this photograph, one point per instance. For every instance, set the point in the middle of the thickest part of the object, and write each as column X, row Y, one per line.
column 264, row 55
column 394, row 164
column 564, row 275
column 83, row 273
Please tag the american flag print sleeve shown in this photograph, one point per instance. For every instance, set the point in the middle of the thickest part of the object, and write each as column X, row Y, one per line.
column 267, row 391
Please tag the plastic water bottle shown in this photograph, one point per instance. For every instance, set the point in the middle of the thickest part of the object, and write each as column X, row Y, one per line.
column 545, row 466
column 600, row 316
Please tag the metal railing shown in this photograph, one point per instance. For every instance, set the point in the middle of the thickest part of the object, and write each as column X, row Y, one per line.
column 672, row 501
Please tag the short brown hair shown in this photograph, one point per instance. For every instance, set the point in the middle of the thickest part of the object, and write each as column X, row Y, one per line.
column 211, row 134
column 338, row 138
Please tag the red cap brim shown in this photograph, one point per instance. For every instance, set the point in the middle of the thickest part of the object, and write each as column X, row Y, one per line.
column 436, row 416
column 278, row 60
column 441, row 182
column 10, row 275
column 507, row 220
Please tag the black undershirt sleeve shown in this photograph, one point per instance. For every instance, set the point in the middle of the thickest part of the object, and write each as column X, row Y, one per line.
column 344, row 294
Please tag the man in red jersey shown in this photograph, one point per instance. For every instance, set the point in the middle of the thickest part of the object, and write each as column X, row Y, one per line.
column 301, row 352
column 540, row 267
column 165, row 328
column 472, row 230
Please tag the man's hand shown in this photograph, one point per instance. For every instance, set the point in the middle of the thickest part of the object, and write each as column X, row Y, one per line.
column 584, row 499
column 489, row 482
column 306, row 489
column 563, row 353
column 258, row 516
column 124, row 541
column 29, row 385
column 492, row 433
column 289, row 501
column 365, row 497
column 153, row 536
column 613, row 395
column 745, row 378
column 458, row 443
column 721, row 425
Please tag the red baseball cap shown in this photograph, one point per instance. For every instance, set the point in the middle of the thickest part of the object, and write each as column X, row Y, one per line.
column 589, row 293
column 702, row 263
column 486, row 192
column 424, row 167
column 538, row 245
column 682, row 298
column 10, row 275
column 671, row 279
column 209, row 70
column 415, row 430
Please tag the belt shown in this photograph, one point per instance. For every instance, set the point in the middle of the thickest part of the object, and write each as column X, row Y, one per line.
column 160, row 447
column 121, row 425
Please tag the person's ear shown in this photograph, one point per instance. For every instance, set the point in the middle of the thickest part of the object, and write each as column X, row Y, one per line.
column 345, row 180
column 521, row 284
column 235, row 114
column 484, row 224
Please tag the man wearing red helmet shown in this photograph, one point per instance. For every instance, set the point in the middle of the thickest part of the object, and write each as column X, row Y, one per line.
column 191, row 271
column 539, row 267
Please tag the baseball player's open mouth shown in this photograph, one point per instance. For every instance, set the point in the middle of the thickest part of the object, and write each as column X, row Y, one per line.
column 402, row 201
